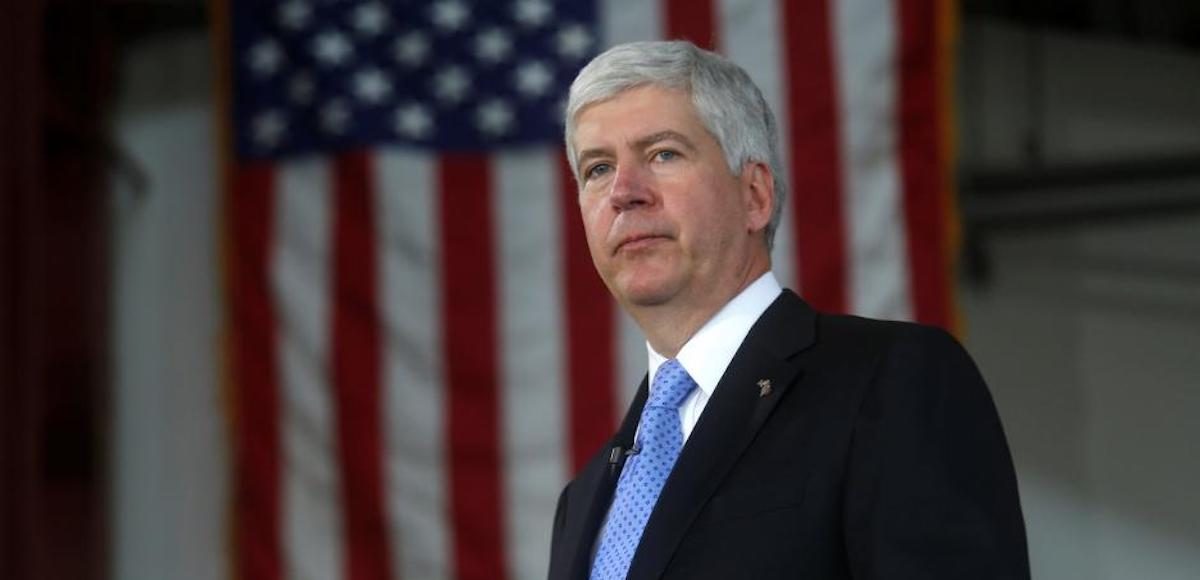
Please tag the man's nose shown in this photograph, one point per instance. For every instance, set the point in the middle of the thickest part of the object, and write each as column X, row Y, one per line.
column 631, row 188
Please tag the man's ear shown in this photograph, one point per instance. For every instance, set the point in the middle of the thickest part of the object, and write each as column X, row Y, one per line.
column 758, row 194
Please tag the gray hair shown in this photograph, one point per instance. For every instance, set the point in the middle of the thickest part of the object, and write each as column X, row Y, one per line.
column 726, row 100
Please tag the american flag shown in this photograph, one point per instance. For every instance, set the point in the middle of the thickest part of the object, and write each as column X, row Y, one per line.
column 421, row 354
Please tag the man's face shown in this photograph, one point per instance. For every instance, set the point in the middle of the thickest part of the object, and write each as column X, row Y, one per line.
column 667, row 222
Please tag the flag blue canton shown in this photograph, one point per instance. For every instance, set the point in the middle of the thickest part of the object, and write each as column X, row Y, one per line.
column 315, row 76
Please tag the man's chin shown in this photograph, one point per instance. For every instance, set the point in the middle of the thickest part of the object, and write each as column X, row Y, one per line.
column 646, row 293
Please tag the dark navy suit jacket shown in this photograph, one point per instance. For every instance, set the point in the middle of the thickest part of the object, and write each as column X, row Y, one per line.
column 877, row 453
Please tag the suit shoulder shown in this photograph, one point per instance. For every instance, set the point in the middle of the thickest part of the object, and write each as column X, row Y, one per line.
column 878, row 336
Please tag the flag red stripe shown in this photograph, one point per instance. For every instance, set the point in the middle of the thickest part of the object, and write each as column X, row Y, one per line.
column 921, row 166
column 691, row 20
column 471, row 344
column 356, row 370
column 591, row 335
column 251, row 212
column 815, row 154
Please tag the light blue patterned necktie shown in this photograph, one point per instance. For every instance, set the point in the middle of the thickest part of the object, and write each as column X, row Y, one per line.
column 660, row 438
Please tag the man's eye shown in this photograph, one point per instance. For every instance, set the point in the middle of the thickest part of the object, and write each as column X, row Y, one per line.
column 665, row 155
column 596, row 170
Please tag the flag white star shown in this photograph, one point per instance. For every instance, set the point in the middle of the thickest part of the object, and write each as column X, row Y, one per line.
column 413, row 120
column 412, row 49
column 494, row 118
column 573, row 41
column 531, row 13
column 533, row 78
column 449, row 15
column 335, row 116
column 370, row 19
column 451, row 84
column 301, row 88
column 493, row 45
column 331, row 48
column 265, row 58
column 372, row 86
column 295, row 14
column 268, row 128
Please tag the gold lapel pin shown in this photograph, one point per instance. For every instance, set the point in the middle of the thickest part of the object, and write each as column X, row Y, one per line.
column 764, row 387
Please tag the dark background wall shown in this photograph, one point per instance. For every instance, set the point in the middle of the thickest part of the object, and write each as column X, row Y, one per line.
column 54, row 279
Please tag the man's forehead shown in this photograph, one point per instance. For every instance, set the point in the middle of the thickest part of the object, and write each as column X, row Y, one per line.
column 671, row 116
column 645, row 93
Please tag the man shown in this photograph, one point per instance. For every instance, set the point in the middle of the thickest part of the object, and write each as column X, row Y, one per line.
column 771, row 441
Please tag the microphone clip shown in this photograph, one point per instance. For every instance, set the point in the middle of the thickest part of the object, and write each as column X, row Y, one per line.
column 618, row 455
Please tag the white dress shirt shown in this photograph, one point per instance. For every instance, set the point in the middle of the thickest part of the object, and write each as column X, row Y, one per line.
column 707, row 354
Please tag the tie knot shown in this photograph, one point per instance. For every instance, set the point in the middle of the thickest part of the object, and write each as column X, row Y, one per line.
column 672, row 384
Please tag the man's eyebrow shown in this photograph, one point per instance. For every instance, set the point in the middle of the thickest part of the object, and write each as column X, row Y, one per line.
column 588, row 154
column 665, row 135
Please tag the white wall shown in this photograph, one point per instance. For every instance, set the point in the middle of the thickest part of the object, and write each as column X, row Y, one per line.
column 1090, row 340
column 170, row 487
column 1090, row 335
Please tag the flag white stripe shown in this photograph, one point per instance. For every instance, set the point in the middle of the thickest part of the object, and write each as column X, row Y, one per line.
column 413, row 386
column 750, row 35
column 864, row 33
column 312, row 517
column 783, row 256
column 528, row 210
column 630, row 20
column 632, row 360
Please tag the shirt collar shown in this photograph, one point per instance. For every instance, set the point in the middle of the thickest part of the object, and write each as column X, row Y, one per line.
column 707, row 354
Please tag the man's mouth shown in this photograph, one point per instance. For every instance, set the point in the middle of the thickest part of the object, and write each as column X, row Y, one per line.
column 638, row 242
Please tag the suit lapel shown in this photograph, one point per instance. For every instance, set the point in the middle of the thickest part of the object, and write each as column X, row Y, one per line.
column 595, row 487
column 731, row 419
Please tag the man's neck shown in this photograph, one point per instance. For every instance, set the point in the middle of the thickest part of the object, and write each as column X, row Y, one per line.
column 669, row 326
